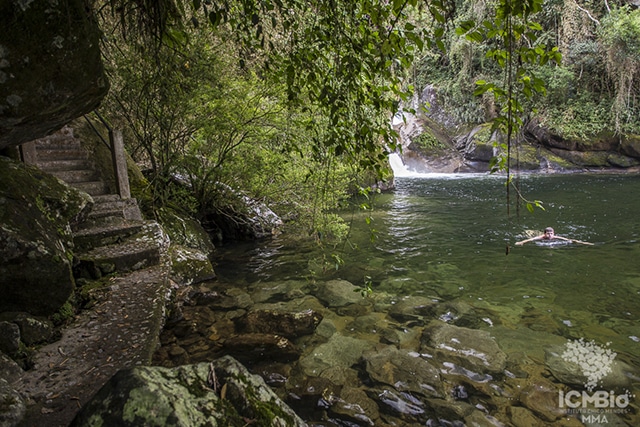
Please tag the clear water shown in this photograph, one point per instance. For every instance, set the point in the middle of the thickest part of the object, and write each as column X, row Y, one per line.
column 450, row 238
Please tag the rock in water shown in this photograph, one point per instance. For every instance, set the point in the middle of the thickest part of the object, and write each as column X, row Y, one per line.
column 220, row 393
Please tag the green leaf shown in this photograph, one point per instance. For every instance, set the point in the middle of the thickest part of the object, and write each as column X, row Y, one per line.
column 535, row 26
column 475, row 36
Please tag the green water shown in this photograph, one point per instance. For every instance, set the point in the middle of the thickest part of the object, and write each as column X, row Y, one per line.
column 450, row 238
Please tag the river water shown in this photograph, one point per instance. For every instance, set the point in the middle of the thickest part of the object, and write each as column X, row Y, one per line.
column 449, row 238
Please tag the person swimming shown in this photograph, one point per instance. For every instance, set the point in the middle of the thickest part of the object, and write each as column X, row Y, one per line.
column 550, row 234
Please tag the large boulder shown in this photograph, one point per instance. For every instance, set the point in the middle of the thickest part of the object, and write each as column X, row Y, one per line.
column 338, row 293
column 242, row 218
column 189, row 266
column 185, row 231
column 35, row 238
column 50, row 67
column 220, row 393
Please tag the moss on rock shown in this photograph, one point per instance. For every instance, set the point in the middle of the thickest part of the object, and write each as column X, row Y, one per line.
column 220, row 393
column 189, row 266
column 185, row 232
column 35, row 238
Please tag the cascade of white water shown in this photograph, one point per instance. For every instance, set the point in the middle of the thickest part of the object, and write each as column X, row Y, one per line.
column 399, row 168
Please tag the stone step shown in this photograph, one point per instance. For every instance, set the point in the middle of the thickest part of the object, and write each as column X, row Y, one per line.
column 58, row 143
column 121, row 257
column 140, row 250
column 95, row 236
column 77, row 175
column 94, row 188
column 61, row 154
column 64, row 165
column 111, row 216
column 113, row 205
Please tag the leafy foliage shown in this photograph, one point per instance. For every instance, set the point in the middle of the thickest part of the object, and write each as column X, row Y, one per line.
column 620, row 35
column 289, row 100
column 204, row 122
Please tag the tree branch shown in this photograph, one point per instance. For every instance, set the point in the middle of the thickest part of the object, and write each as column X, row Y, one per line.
column 589, row 14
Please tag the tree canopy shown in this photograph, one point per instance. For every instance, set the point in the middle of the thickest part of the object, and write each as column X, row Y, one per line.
column 220, row 91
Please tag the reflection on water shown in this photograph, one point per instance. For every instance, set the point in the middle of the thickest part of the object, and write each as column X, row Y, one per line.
column 450, row 239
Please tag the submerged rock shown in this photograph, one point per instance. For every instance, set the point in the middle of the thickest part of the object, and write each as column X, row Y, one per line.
column 289, row 325
column 267, row 292
column 222, row 392
column 354, row 407
column 412, row 308
column 403, row 372
column 401, row 405
column 252, row 347
column 615, row 373
column 338, row 293
column 339, row 351
column 541, row 398
column 522, row 417
column 472, row 349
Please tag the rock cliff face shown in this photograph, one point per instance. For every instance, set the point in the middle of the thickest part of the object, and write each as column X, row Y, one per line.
column 432, row 141
column 50, row 67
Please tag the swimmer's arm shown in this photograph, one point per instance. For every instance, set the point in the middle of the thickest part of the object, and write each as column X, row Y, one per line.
column 575, row 241
column 528, row 240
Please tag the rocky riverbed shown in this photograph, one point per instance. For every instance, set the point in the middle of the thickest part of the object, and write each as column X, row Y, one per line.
column 340, row 359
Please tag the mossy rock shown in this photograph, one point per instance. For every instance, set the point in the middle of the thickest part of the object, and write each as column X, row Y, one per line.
column 630, row 145
column 220, row 393
column 432, row 141
column 189, row 266
column 622, row 161
column 185, row 231
column 35, row 238
column 593, row 159
column 556, row 161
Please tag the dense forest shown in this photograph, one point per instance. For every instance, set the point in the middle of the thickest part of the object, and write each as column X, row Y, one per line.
column 289, row 102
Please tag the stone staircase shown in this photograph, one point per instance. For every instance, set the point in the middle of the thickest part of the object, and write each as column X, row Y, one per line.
column 122, row 325
column 113, row 237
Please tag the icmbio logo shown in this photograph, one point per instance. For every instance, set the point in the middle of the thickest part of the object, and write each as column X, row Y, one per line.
column 595, row 363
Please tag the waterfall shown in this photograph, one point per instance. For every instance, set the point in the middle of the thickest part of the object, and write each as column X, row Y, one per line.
column 399, row 168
